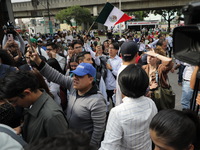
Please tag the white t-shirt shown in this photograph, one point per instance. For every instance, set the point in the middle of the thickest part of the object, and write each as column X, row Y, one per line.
column 118, row 90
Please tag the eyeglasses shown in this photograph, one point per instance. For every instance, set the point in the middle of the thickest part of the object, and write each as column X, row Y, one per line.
column 77, row 47
column 49, row 49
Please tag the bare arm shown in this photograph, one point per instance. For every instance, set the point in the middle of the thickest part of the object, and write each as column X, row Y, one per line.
column 192, row 83
column 21, row 41
column 162, row 58
column 48, row 72
column 193, row 77
column 4, row 40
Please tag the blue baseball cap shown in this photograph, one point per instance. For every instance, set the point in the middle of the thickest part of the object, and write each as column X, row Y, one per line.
column 84, row 69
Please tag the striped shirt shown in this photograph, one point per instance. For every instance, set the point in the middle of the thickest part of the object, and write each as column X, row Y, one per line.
column 128, row 125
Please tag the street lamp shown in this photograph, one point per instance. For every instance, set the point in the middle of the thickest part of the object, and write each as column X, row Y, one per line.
column 35, row 3
column 50, row 23
column 120, row 29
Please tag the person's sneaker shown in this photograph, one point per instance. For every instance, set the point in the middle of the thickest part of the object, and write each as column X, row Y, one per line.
column 180, row 84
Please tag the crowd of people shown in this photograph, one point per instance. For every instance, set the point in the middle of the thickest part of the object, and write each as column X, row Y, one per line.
column 75, row 91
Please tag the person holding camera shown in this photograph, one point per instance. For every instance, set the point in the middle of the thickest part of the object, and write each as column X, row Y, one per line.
column 12, row 35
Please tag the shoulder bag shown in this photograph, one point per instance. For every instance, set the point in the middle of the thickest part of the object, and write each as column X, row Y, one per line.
column 164, row 98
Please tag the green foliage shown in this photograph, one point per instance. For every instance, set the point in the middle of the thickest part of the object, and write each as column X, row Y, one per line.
column 139, row 15
column 168, row 14
column 79, row 14
column 64, row 15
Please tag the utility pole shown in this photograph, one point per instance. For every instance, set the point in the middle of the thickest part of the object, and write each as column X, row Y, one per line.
column 120, row 29
column 50, row 23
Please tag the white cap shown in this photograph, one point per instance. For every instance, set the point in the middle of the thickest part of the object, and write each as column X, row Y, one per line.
column 122, row 39
column 58, row 40
column 39, row 39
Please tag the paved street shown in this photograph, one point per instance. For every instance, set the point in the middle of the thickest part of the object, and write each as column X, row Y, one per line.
column 173, row 78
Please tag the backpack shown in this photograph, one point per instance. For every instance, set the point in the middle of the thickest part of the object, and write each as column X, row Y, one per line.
column 101, row 70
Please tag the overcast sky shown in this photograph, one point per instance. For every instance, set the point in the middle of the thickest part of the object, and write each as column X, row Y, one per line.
column 14, row 1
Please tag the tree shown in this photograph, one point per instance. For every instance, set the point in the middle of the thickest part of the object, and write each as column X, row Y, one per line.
column 139, row 15
column 168, row 15
column 64, row 15
column 79, row 14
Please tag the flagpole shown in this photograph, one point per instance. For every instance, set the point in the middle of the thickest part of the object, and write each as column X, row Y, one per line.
column 120, row 29
column 90, row 27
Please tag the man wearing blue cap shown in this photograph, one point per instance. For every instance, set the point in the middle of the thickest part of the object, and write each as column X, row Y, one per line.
column 86, row 109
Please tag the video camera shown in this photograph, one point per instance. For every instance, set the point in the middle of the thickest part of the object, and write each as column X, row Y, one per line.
column 9, row 27
column 186, row 39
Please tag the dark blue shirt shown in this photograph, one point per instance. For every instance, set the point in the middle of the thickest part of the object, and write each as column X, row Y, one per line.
column 5, row 69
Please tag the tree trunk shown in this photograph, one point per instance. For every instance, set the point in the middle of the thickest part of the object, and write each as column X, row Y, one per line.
column 169, row 26
column 76, row 26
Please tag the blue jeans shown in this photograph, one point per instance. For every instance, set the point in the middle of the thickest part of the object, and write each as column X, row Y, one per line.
column 186, row 95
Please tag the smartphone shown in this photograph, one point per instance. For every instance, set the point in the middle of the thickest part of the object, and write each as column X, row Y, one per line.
column 10, row 37
column 30, row 43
